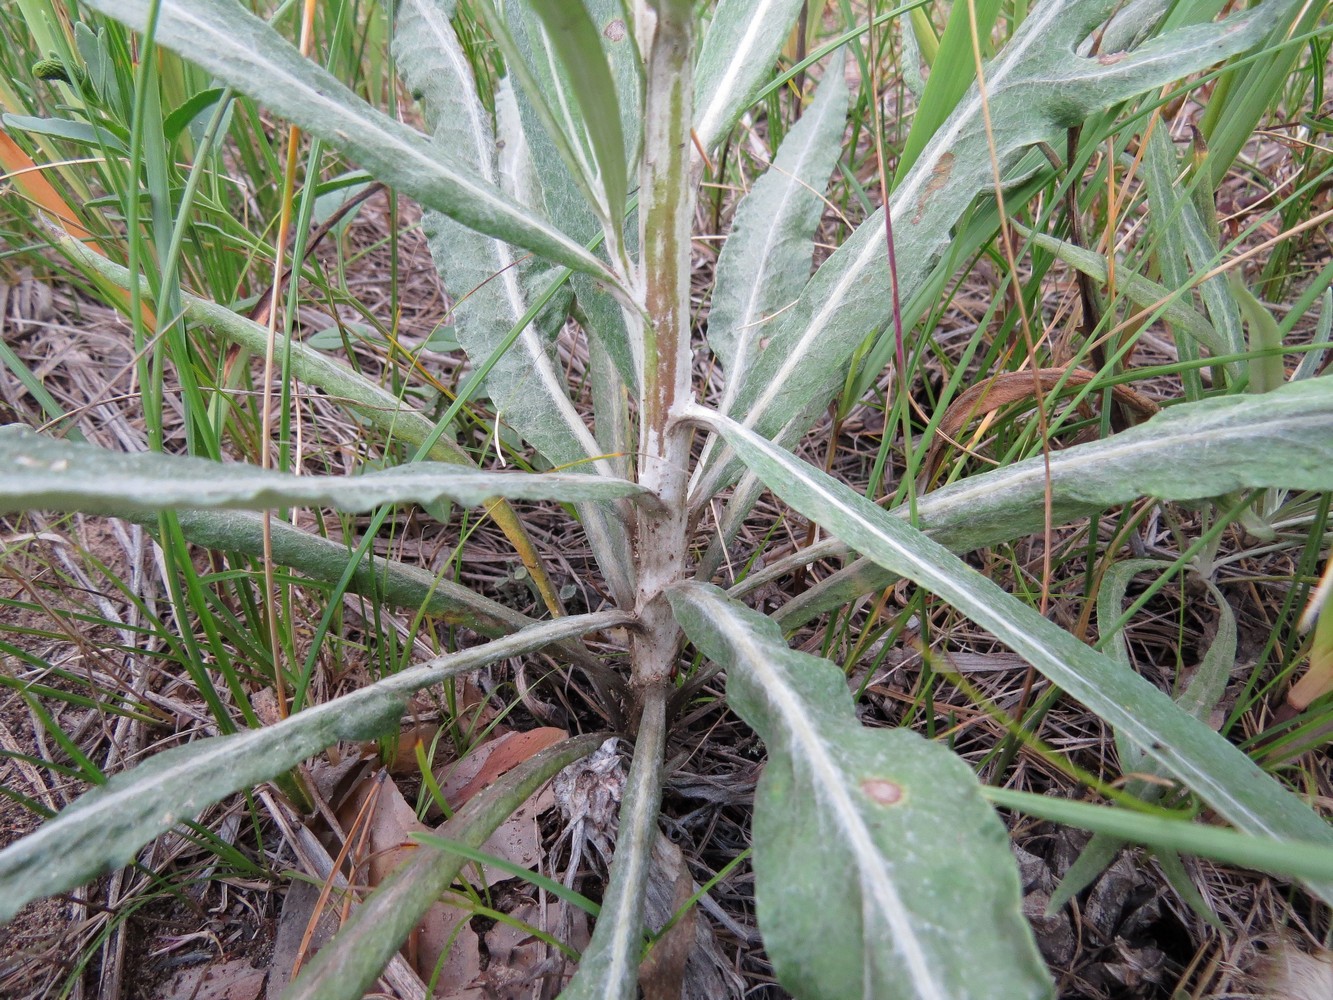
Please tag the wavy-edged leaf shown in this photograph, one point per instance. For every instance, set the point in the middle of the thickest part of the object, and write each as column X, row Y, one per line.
column 49, row 474
column 1202, row 760
column 736, row 61
column 766, row 260
column 1036, row 87
column 880, row 870
column 483, row 277
column 104, row 828
column 243, row 51
column 1187, row 452
column 349, row 964
column 481, row 274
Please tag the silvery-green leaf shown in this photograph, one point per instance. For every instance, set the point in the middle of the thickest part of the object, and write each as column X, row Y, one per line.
column 246, row 53
column 565, row 205
column 349, row 964
column 481, row 274
column 49, row 474
column 571, row 45
column 1187, row 452
column 559, row 119
column 1035, row 88
column 880, row 870
column 104, row 828
column 736, row 61
column 766, row 260
column 518, row 178
column 1224, row 777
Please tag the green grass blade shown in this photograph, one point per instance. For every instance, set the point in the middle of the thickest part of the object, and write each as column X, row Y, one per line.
column 953, row 69
column 243, row 51
column 569, row 33
column 1307, row 860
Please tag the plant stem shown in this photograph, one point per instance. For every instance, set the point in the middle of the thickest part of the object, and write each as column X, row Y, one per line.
column 666, row 213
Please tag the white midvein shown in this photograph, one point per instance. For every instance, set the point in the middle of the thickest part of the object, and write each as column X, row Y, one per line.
column 921, row 174
column 989, row 605
column 738, row 60
column 749, row 322
column 447, row 44
column 388, row 133
column 829, row 784
column 50, row 839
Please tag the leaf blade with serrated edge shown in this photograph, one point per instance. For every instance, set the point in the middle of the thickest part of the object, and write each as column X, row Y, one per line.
column 104, row 828
column 877, row 832
column 61, row 475
column 1206, row 763
column 245, row 52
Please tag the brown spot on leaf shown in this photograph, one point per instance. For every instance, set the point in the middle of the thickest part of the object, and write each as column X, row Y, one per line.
column 938, row 178
column 615, row 31
column 1111, row 58
column 885, row 792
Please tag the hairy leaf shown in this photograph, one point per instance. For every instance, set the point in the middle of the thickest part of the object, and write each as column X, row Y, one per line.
column 878, row 833
column 50, row 474
column 736, row 60
column 1188, row 452
column 573, row 46
column 610, row 965
column 103, row 829
column 1035, row 88
column 766, row 260
column 482, row 276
